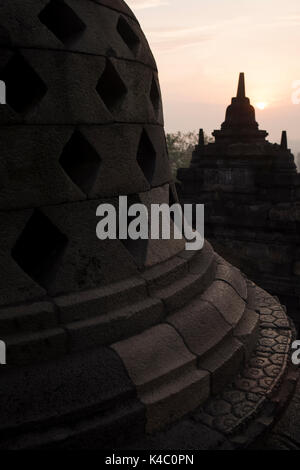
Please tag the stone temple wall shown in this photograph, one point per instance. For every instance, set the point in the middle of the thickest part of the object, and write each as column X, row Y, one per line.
column 251, row 192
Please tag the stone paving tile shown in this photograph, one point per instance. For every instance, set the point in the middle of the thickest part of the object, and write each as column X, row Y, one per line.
column 243, row 400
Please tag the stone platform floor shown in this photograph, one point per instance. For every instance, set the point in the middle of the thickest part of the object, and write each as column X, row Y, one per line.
column 286, row 433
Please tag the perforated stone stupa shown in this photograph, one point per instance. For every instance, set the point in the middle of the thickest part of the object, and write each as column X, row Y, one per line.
column 251, row 192
column 110, row 343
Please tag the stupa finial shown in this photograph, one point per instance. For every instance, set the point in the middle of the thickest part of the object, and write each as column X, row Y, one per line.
column 201, row 142
column 241, row 92
column 284, row 143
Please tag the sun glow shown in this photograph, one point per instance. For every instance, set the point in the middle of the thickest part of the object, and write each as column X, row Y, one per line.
column 261, row 105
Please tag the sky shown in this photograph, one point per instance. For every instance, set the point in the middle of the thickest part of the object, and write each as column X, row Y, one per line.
column 201, row 46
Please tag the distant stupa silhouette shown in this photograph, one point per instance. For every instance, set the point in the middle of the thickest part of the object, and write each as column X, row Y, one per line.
column 240, row 124
column 251, row 190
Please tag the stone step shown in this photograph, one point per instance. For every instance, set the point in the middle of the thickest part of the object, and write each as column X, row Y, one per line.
column 105, row 315
column 165, row 374
column 165, row 273
column 25, row 318
column 244, row 408
column 201, row 273
column 226, row 300
column 26, row 348
column 223, row 363
column 49, row 397
column 113, row 326
column 88, row 304
column 201, row 326
column 227, row 273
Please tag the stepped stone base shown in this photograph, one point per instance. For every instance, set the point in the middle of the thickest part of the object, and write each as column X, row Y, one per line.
column 249, row 405
column 190, row 346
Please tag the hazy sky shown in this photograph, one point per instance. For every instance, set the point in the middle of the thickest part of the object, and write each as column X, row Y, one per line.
column 201, row 46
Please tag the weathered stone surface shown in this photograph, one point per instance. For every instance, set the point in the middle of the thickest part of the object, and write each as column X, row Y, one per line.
column 86, row 304
column 30, row 347
column 54, row 392
column 33, row 317
column 226, row 300
column 224, row 361
column 233, row 277
column 114, row 325
column 201, row 326
column 165, row 374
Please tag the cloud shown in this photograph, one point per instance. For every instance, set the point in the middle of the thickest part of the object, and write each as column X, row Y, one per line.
column 169, row 39
column 141, row 4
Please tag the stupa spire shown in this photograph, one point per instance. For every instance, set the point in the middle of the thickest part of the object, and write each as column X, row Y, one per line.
column 241, row 91
column 201, row 142
column 284, row 143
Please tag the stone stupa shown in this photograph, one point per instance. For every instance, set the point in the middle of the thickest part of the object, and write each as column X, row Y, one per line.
column 112, row 344
column 251, row 191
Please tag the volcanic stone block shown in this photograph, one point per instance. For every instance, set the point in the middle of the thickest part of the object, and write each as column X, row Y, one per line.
column 165, row 374
column 112, row 326
column 233, row 277
column 162, row 275
column 180, row 292
column 224, row 361
column 53, row 392
column 41, row 346
column 89, row 303
column 77, row 103
column 201, row 326
column 53, row 27
column 138, row 82
column 25, row 182
column 34, row 317
column 226, row 300
column 161, row 249
column 119, row 172
column 87, row 261
column 80, row 104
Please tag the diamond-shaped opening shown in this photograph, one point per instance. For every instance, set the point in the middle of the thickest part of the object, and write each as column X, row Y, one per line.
column 62, row 21
column 136, row 248
column 111, row 87
column 80, row 161
column 128, row 35
column 146, row 156
column 154, row 95
column 24, row 88
column 39, row 249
